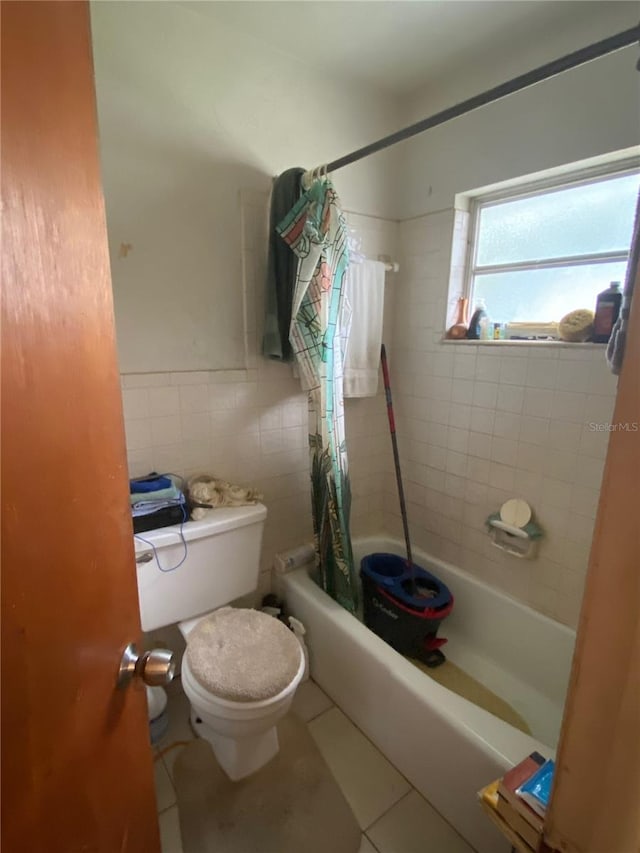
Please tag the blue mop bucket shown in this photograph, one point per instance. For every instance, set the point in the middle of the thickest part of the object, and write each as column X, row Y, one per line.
column 407, row 622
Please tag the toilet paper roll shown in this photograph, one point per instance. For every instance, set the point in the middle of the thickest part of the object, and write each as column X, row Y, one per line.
column 287, row 561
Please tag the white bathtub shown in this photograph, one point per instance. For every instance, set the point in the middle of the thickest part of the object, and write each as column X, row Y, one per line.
column 447, row 747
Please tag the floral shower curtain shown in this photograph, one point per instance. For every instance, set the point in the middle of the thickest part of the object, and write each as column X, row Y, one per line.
column 315, row 229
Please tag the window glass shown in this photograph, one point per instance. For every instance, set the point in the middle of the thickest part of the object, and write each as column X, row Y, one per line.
column 585, row 219
column 544, row 295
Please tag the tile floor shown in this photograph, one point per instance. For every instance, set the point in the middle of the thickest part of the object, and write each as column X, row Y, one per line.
column 394, row 817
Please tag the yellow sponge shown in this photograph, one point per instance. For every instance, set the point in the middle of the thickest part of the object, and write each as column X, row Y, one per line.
column 576, row 326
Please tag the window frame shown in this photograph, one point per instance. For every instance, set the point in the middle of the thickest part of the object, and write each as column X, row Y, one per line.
column 514, row 192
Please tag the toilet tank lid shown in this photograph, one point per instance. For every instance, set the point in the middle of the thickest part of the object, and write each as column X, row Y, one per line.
column 216, row 521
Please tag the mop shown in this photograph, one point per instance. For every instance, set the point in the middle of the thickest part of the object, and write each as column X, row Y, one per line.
column 396, row 461
column 403, row 603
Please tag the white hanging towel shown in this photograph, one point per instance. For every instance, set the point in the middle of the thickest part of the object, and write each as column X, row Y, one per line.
column 364, row 290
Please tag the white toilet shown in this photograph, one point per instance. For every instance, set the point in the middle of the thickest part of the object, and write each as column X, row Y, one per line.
column 241, row 667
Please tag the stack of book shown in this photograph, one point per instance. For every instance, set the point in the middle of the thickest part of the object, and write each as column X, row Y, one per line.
column 520, row 799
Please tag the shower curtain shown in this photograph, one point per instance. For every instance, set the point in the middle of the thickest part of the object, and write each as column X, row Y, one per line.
column 315, row 229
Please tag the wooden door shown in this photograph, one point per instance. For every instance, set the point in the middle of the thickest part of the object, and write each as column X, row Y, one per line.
column 77, row 771
column 595, row 804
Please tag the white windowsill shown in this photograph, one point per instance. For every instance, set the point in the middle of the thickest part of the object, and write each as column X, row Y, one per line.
column 589, row 345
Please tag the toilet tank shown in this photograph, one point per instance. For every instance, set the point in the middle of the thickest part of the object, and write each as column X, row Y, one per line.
column 222, row 563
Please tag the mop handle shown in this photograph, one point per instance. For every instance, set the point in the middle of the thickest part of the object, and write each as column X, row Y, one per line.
column 396, row 456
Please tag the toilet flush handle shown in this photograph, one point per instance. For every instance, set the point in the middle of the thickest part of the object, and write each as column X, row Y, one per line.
column 156, row 667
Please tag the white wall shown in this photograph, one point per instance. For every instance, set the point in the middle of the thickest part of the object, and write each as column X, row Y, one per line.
column 481, row 424
column 190, row 112
column 195, row 119
column 579, row 114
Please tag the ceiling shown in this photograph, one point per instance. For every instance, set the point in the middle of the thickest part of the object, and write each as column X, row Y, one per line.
column 398, row 45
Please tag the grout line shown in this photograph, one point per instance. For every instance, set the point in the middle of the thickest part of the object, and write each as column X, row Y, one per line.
column 392, row 806
column 359, row 730
column 430, row 804
column 372, row 216
column 371, row 842
column 326, row 711
column 320, row 713
column 168, row 808
column 411, row 787
column 428, row 213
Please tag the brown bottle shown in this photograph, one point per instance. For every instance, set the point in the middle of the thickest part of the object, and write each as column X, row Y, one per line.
column 607, row 310
column 459, row 328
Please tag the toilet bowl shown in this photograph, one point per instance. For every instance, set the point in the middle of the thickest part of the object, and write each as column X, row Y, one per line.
column 243, row 735
column 240, row 680
column 242, row 732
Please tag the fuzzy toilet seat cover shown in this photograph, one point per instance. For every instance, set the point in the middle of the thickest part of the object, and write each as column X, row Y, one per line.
column 243, row 655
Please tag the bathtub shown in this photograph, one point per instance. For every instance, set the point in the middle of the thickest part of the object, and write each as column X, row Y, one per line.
column 447, row 747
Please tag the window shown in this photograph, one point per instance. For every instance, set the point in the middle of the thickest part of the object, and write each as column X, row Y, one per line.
column 538, row 254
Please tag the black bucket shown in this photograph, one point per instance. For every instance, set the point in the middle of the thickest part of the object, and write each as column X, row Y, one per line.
column 406, row 619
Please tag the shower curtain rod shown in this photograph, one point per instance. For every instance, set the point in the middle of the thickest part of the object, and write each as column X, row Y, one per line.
column 523, row 81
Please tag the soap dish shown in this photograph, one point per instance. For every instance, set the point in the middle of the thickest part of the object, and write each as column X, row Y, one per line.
column 513, row 540
column 513, row 531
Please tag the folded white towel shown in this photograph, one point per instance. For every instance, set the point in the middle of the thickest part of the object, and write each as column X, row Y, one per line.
column 364, row 290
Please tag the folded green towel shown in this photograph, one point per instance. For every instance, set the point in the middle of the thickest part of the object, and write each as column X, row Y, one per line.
column 531, row 529
column 159, row 495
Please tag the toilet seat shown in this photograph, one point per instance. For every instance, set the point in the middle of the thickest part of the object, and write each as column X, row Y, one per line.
column 227, row 711
column 242, row 656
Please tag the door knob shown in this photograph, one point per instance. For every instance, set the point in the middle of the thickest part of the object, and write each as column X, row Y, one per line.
column 156, row 668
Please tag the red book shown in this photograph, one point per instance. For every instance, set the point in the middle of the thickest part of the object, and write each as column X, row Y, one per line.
column 513, row 779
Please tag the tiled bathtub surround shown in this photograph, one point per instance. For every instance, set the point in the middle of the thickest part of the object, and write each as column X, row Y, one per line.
column 481, row 423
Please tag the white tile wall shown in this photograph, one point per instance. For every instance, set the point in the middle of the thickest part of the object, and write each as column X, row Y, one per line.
column 250, row 426
column 478, row 424
column 230, row 425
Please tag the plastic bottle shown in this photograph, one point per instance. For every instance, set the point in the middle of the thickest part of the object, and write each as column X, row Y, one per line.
column 486, row 328
column 607, row 310
column 479, row 320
